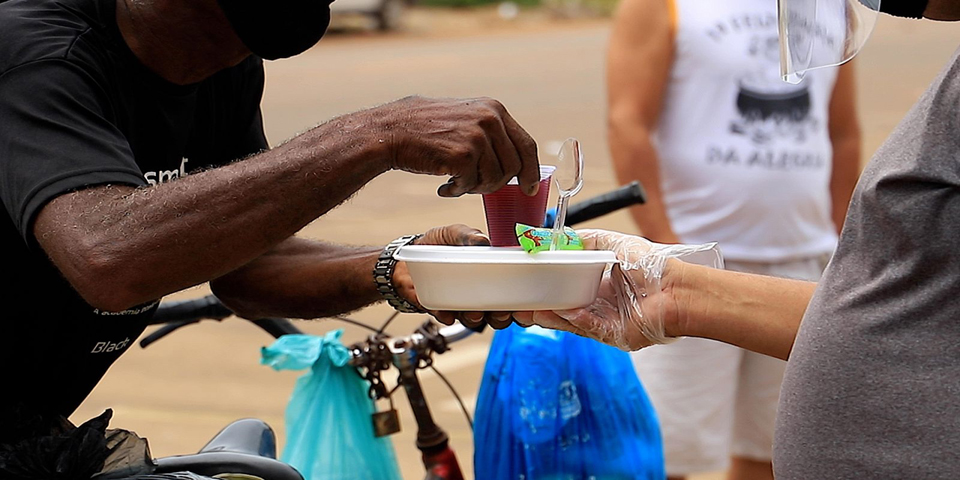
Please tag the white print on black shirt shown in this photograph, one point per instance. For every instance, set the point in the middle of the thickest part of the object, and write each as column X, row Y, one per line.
column 163, row 176
column 132, row 311
column 107, row 347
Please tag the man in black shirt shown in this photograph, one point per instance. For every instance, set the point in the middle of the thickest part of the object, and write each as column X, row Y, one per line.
column 120, row 125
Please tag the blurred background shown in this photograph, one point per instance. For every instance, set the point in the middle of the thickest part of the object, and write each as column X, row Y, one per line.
column 545, row 62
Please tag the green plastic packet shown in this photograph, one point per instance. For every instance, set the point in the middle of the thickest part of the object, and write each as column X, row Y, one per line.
column 535, row 240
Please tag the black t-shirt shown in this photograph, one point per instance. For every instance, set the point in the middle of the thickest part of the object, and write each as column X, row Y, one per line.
column 78, row 109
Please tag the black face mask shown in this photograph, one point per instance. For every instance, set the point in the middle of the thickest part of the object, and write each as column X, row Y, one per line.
column 274, row 29
column 904, row 8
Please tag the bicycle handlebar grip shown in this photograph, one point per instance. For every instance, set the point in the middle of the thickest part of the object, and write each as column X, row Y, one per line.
column 625, row 196
column 191, row 310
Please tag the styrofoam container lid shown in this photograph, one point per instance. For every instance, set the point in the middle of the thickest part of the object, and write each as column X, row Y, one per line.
column 501, row 255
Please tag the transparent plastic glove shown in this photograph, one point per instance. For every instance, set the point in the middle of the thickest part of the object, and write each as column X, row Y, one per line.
column 634, row 303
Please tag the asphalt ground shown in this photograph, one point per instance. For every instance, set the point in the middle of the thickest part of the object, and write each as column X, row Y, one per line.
column 550, row 74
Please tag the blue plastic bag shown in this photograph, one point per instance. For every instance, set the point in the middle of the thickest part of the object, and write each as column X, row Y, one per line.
column 329, row 428
column 553, row 405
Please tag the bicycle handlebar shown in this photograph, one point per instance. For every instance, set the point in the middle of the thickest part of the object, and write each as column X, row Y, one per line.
column 180, row 313
column 191, row 311
column 625, row 196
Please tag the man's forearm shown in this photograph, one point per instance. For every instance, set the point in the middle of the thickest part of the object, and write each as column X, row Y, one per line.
column 126, row 246
column 310, row 279
column 755, row 312
column 301, row 279
column 120, row 246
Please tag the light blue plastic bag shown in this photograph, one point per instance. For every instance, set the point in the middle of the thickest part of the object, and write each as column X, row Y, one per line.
column 328, row 423
column 556, row 406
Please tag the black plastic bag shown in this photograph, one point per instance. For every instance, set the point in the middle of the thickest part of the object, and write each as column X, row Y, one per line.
column 52, row 448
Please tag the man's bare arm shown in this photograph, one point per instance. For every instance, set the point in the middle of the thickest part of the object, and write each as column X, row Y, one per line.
column 639, row 60
column 121, row 246
column 302, row 278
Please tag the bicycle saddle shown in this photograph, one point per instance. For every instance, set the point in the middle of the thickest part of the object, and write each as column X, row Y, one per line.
column 245, row 446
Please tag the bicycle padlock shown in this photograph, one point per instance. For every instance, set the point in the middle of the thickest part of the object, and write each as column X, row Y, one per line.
column 386, row 423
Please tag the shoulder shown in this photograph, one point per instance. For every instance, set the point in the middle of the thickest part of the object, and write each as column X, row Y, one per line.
column 33, row 30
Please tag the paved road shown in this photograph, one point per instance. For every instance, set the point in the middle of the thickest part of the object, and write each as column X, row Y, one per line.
column 181, row 391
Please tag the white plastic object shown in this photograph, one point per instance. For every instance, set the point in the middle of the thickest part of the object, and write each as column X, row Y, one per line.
column 503, row 278
column 569, row 179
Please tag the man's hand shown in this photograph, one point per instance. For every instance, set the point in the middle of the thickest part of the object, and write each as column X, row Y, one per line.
column 449, row 235
column 474, row 141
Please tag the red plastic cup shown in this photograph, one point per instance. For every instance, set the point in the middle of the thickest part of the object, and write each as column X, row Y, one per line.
column 509, row 206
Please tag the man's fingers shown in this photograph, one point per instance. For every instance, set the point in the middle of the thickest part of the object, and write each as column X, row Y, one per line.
column 462, row 163
column 524, row 319
column 498, row 320
column 471, row 319
column 446, row 318
column 507, row 154
column 453, row 188
column 454, row 235
column 474, row 141
column 477, row 239
column 490, row 175
column 526, row 146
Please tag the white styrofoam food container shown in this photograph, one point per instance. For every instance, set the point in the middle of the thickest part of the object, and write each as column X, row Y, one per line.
column 503, row 278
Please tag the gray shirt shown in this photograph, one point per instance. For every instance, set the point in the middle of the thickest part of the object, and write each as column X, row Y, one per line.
column 872, row 389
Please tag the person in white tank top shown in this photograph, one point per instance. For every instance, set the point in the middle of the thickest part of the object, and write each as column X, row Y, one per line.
column 728, row 153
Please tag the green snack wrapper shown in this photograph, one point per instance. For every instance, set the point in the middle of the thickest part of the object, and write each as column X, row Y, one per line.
column 535, row 240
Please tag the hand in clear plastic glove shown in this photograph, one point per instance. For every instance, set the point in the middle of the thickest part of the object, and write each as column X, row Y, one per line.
column 635, row 306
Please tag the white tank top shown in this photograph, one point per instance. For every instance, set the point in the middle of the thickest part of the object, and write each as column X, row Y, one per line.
column 745, row 157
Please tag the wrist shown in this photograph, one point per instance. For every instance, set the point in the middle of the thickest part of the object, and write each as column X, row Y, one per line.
column 686, row 290
column 385, row 271
column 383, row 133
column 358, row 138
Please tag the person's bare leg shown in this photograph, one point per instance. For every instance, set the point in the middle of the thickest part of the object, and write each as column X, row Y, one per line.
column 746, row 469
